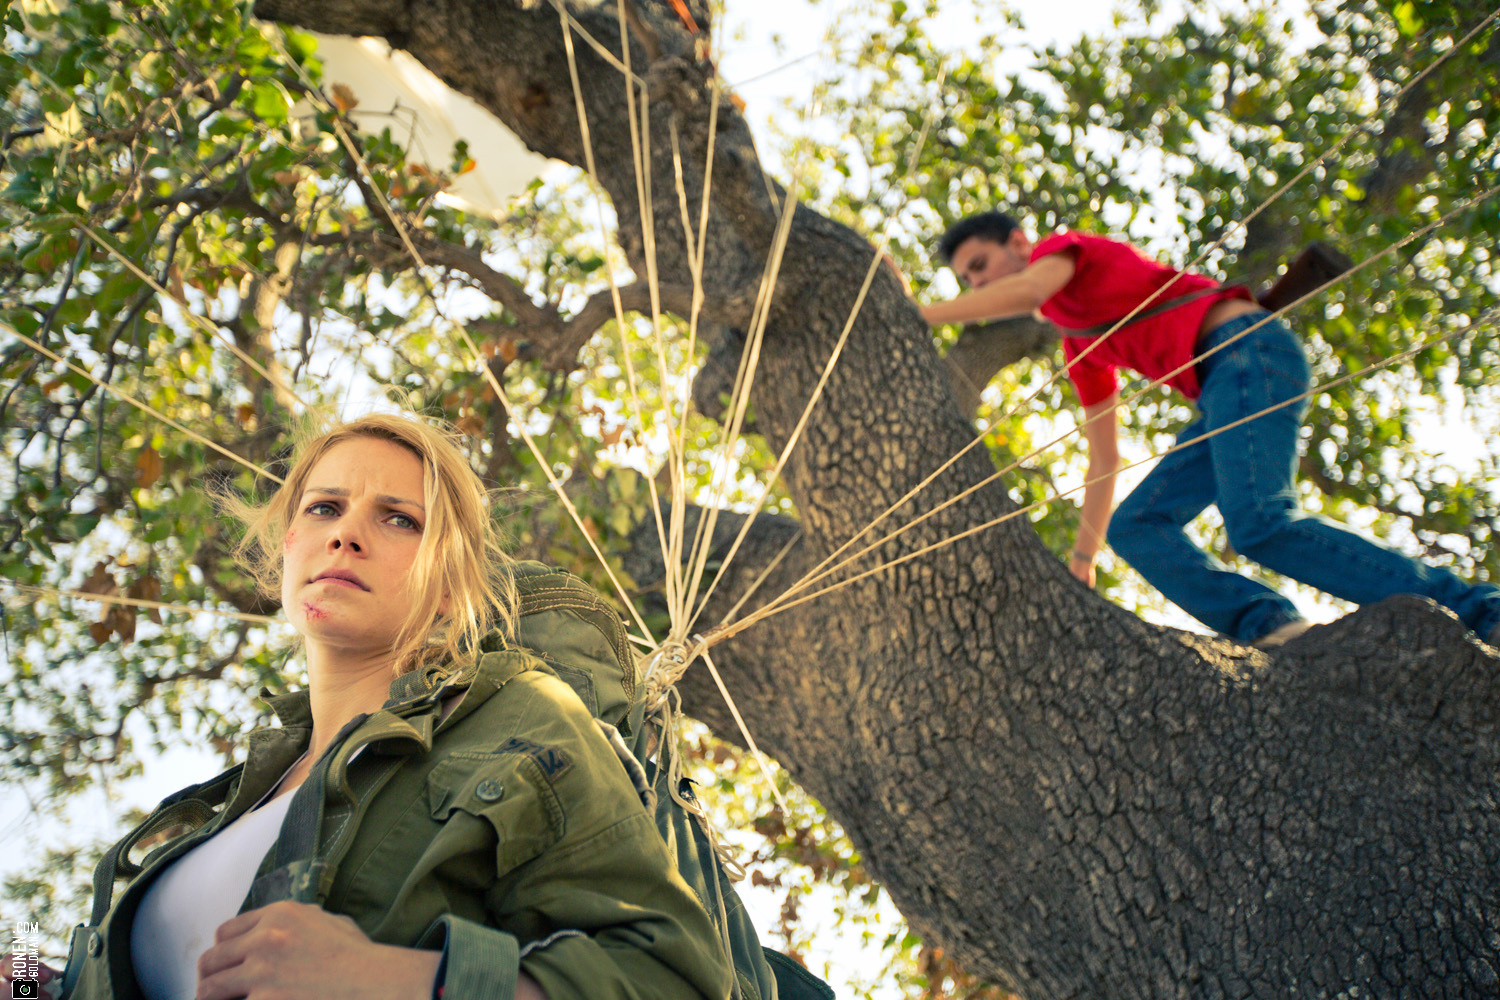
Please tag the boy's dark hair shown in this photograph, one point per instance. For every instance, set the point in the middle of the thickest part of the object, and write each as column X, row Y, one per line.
column 995, row 226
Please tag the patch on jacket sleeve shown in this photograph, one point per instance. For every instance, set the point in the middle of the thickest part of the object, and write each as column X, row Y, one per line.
column 554, row 763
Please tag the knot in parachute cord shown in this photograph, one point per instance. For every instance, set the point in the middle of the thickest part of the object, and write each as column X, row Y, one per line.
column 663, row 668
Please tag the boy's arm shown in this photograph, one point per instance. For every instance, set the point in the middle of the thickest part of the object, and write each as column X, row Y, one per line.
column 1101, row 431
column 1013, row 295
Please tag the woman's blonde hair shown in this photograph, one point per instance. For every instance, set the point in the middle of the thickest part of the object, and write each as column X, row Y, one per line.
column 461, row 582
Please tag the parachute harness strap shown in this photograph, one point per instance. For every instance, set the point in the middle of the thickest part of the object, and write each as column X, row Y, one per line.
column 661, row 670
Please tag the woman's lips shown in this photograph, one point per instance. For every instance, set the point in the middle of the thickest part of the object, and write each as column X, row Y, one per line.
column 341, row 581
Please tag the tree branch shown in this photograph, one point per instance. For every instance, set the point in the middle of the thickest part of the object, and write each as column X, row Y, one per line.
column 552, row 338
column 984, row 349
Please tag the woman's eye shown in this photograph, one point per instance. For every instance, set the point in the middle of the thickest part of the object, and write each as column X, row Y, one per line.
column 321, row 507
column 405, row 521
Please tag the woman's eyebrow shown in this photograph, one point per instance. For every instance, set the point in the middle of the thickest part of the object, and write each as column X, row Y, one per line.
column 385, row 498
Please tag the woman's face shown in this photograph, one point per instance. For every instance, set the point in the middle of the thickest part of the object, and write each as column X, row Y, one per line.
column 349, row 551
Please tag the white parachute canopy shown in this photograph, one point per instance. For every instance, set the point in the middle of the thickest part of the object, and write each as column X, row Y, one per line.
column 426, row 116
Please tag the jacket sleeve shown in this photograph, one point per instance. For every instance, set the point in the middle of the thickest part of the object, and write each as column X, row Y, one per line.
column 479, row 963
column 598, row 910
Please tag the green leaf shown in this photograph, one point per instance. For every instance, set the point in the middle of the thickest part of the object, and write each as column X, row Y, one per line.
column 1406, row 19
column 268, row 103
column 300, row 44
column 26, row 185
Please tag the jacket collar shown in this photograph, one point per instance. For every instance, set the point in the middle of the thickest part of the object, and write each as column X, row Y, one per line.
column 293, row 709
column 419, row 701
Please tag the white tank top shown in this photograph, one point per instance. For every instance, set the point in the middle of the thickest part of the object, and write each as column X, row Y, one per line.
column 182, row 909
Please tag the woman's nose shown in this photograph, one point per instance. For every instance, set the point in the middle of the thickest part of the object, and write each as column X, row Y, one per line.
column 346, row 535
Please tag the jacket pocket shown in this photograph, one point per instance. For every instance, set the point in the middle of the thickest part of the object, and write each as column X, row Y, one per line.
column 492, row 802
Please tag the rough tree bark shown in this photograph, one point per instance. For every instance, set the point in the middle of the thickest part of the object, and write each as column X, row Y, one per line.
column 1074, row 802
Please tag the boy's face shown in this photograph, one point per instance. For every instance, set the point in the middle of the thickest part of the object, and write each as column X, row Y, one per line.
column 980, row 260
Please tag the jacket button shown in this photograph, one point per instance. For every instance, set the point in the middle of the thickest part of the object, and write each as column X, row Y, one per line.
column 489, row 790
column 96, row 943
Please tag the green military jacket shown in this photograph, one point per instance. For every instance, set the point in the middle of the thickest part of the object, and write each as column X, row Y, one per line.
column 485, row 815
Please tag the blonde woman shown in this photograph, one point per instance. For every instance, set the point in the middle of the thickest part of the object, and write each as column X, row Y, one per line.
column 462, row 829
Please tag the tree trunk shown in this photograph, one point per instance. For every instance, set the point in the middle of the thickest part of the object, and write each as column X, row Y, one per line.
column 1075, row 803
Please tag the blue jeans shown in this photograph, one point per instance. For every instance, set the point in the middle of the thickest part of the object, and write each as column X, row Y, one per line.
column 1248, row 472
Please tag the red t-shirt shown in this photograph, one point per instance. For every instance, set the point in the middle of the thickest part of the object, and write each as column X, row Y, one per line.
column 1110, row 278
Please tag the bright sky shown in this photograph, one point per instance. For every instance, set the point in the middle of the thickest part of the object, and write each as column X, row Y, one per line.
column 768, row 44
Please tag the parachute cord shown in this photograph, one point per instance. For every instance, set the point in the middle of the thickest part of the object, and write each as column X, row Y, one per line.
column 475, row 355
column 138, row 404
column 760, row 758
column 725, row 631
column 733, row 869
column 755, row 586
column 833, row 563
column 661, row 670
column 205, row 323
column 140, row 602
column 664, row 667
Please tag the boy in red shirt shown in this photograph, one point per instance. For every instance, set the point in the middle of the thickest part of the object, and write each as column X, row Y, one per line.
column 1085, row 284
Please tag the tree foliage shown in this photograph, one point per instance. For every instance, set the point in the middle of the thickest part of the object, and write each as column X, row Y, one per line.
column 192, row 221
column 1187, row 136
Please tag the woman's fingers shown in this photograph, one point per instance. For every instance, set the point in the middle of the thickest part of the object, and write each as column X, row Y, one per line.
column 295, row 951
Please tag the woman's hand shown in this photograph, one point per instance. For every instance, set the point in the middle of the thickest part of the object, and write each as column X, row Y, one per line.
column 49, row 978
column 295, row 950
